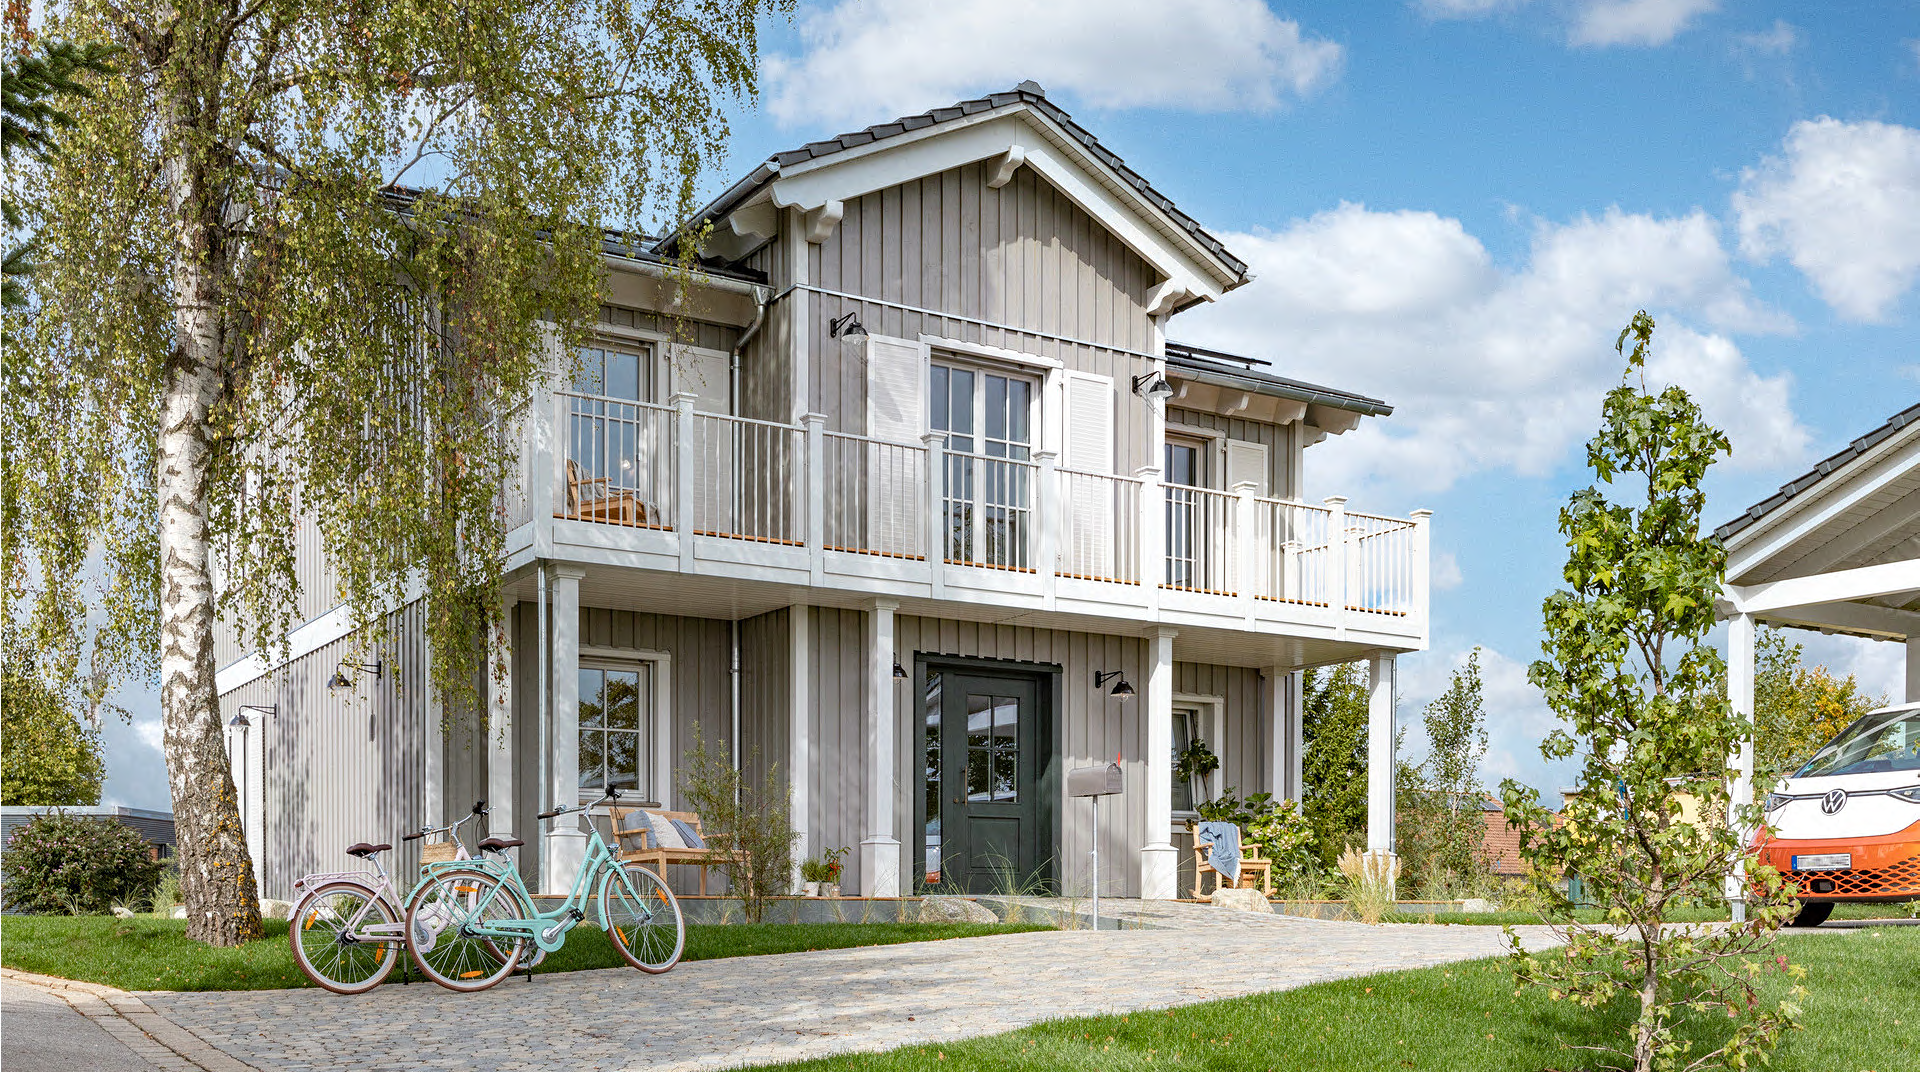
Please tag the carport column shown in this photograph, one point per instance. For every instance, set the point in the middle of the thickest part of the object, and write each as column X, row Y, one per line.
column 1740, row 641
column 1380, row 753
column 566, row 842
column 500, row 726
column 1159, row 867
column 880, row 850
column 1913, row 669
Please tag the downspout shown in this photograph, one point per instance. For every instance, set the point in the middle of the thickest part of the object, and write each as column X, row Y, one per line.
column 762, row 296
column 734, row 676
column 540, row 788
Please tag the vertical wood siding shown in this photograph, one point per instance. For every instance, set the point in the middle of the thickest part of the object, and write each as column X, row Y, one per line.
column 1023, row 255
column 1278, row 439
column 766, row 372
column 766, row 695
column 697, row 332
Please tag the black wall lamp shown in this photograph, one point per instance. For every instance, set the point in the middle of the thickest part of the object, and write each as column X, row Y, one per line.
column 1121, row 691
column 240, row 719
column 845, row 326
column 340, row 680
column 898, row 672
column 1153, row 387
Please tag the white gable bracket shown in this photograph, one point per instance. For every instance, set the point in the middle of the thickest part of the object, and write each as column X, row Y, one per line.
column 821, row 221
column 1166, row 296
column 756, row 220
column 1009, row 163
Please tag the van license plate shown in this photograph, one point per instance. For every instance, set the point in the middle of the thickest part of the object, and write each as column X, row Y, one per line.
column 1830, row 861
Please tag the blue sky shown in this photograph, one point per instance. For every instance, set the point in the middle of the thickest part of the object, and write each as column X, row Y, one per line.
column 1455, row 205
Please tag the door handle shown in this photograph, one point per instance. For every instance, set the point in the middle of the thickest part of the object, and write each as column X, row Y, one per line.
column 956, row 800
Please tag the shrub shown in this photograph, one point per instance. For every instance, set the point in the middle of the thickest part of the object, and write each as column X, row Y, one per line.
column 752, row 824
column 1274, row 827
column 1371, row 878
column 60, row 863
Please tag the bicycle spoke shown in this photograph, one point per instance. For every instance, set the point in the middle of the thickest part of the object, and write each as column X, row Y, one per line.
column 643, row 918
column 331, row 942
column 442, row 924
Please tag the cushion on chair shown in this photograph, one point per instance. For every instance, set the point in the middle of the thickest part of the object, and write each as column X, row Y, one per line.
column 688, row 833
column 664, row 834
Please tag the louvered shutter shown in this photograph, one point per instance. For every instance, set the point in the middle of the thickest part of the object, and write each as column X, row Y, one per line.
column 716, row 457
column 1247, row 463
column 896, row 413
column 1087, row 550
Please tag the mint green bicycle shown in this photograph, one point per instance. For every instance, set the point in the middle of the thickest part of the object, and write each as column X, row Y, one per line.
column 470, row 922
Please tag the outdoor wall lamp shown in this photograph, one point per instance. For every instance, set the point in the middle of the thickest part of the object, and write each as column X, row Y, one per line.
column 845, row 326
column 1153, row 387
column 1122, row 691
column 340, row 680
column 898, row 672
column 241, row 720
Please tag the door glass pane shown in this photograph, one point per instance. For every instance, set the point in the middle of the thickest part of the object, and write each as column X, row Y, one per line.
column 1183, row 730
column 590, row 374
column 979, row 747
column 1006, row 749
column 931, row 764
column 623, row 375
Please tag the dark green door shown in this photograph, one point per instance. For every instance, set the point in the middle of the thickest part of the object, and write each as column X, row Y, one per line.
column 987, row 755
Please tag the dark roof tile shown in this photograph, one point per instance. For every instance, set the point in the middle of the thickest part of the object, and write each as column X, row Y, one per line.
column 1805, row 482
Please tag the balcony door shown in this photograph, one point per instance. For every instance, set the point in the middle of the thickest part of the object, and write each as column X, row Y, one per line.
column 1188, row 478
column 987, row 419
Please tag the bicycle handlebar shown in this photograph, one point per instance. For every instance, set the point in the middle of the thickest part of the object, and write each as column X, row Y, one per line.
column 413, row 837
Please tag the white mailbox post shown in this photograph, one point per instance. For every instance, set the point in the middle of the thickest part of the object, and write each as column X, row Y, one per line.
column 1095, row 782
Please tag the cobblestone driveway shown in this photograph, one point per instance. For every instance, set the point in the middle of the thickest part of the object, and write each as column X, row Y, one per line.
column 726, row 1013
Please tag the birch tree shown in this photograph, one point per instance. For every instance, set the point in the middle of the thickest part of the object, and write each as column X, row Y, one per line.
column 302, row 259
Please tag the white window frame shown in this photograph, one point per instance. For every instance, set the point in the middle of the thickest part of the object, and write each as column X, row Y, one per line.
column 1036, row 378
column 1216, row 441
column 612, row 335
column 660, row 779
column 1212, row 711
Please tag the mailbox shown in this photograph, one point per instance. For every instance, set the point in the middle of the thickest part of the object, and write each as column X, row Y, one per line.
column 1094, row 781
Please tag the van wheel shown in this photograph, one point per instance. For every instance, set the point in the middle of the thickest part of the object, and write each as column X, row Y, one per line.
column 1812, row 914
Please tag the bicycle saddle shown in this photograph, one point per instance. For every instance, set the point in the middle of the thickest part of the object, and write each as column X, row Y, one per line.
column 494, row 844
column 364, row 850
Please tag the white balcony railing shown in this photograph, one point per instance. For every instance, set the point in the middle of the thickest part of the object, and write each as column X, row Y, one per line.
column 665, row 467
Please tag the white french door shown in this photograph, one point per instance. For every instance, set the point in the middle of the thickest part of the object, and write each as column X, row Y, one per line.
column 987, row 418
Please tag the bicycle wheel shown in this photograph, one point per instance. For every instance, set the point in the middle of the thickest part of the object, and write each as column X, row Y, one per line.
column 328, row 932
column 643, row 918
column 531, row 955
column 440, row 921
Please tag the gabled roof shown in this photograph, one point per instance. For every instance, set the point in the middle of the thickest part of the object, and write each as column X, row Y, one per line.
column 1029, row 93
column 1807, row 481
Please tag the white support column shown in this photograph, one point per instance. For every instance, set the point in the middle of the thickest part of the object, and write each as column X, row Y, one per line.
column 1047, row 508
column 799, row 729
column 935, row 536
column 1153, row 535
column 1247, row 552
column 1280, row 747
column 880, row 850
column 546, row 462
column 1159, row 868
column 1296, row 733
column 433, row 805
column 1422, row 553
column 816, row 498
column 500, row 798
column 1740, row 688
column 793, row 238
column 566, row 842
column 1913, row 669
column 1380, row 753
column 686, row 445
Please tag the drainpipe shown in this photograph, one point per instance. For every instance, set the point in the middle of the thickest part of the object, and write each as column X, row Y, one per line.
column 540, row 789
column 761, row 297
column 733, row 628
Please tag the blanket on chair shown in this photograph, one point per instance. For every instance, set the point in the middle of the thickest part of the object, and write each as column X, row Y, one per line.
column 1225, row 853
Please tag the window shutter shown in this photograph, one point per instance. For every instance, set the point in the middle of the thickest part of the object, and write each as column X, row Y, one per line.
column 1247, row 463
column 896, row 413
column 716, row 469
column 1087, row 550
column 704, row 373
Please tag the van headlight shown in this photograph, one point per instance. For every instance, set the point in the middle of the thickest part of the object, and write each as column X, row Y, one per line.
column 1911, row 794
column 1776, row 801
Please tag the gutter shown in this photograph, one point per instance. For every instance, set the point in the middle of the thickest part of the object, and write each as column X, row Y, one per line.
column 1298, row 392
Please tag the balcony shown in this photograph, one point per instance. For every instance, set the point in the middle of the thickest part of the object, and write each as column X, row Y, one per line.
column 666, row 487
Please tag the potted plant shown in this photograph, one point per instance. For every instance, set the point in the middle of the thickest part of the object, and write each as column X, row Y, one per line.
column 832, row 865
column 813, row 875
column 1192, row 766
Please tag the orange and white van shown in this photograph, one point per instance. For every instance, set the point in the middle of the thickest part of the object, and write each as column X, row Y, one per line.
column 1845, row 828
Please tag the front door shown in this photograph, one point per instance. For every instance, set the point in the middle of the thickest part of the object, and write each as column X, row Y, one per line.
column 988, row 751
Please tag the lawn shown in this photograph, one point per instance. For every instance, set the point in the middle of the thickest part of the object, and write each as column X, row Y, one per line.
column 146, row 953
column 1863, row 1014
column 1685, row 915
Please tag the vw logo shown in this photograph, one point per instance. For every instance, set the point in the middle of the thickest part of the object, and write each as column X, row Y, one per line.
column 1833, row 801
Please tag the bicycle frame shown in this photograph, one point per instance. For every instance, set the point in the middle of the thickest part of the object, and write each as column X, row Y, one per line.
column 547, row 931
column 380, row 884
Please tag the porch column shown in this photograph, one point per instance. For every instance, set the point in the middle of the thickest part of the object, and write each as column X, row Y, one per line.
column 566, row 842
column 799, row 726
column 1159, row 867
column 500, row 800
column 880, row 850
column 1280, row 694
column 1380, row 753
column 1913, row 669
column 1740, row 643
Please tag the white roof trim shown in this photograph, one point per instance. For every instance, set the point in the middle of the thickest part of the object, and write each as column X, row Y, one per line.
column 1800, row 517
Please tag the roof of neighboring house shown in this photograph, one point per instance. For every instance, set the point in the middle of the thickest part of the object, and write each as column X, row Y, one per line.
column 1239, row 371
column 1805, row 482
column 1028, row 92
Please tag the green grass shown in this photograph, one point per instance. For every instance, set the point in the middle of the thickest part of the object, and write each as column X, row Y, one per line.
column 146, row 953
column 1688, row 915
column 1863, row 1014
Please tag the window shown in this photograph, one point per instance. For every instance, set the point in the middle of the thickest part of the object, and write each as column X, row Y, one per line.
column 617, row 721
column 988, row 421
column 614, row 370
column 1186, row 726
column 1187, row 513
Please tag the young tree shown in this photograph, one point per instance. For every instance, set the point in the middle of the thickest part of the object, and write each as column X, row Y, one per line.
column 1333, row 722
column 1627, row 671
column 242, row 319
column 1438, row 828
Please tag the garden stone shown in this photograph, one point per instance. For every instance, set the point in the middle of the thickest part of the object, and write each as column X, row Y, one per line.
column 954, row 910
column 179, row 912
column 272, row 909
column 1476, row 904
column 122, row 912
column 1244, row 900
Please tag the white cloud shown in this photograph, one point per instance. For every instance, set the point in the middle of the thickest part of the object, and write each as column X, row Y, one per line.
column 866, row 62
column 1463, row 9
column 1842, row 202
column 1445, row 573
column 1778, row 40
column 1517, row 717
column 1491, row 368
column 1635, row 22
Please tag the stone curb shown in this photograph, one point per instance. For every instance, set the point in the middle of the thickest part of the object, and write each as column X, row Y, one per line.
column 154, row 1038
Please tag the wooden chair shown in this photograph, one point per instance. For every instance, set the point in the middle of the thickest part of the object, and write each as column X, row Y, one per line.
column 584, row 503
column 1251, row 865
column 637, row 843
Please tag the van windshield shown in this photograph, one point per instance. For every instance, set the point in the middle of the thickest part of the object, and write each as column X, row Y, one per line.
column 1889, row 741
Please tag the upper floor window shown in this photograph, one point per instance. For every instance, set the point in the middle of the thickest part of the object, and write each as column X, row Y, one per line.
column 987, row 418
column 613, row 370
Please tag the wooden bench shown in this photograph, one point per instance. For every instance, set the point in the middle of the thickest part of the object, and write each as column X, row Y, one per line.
column 634, row 837
column 1250, row 866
